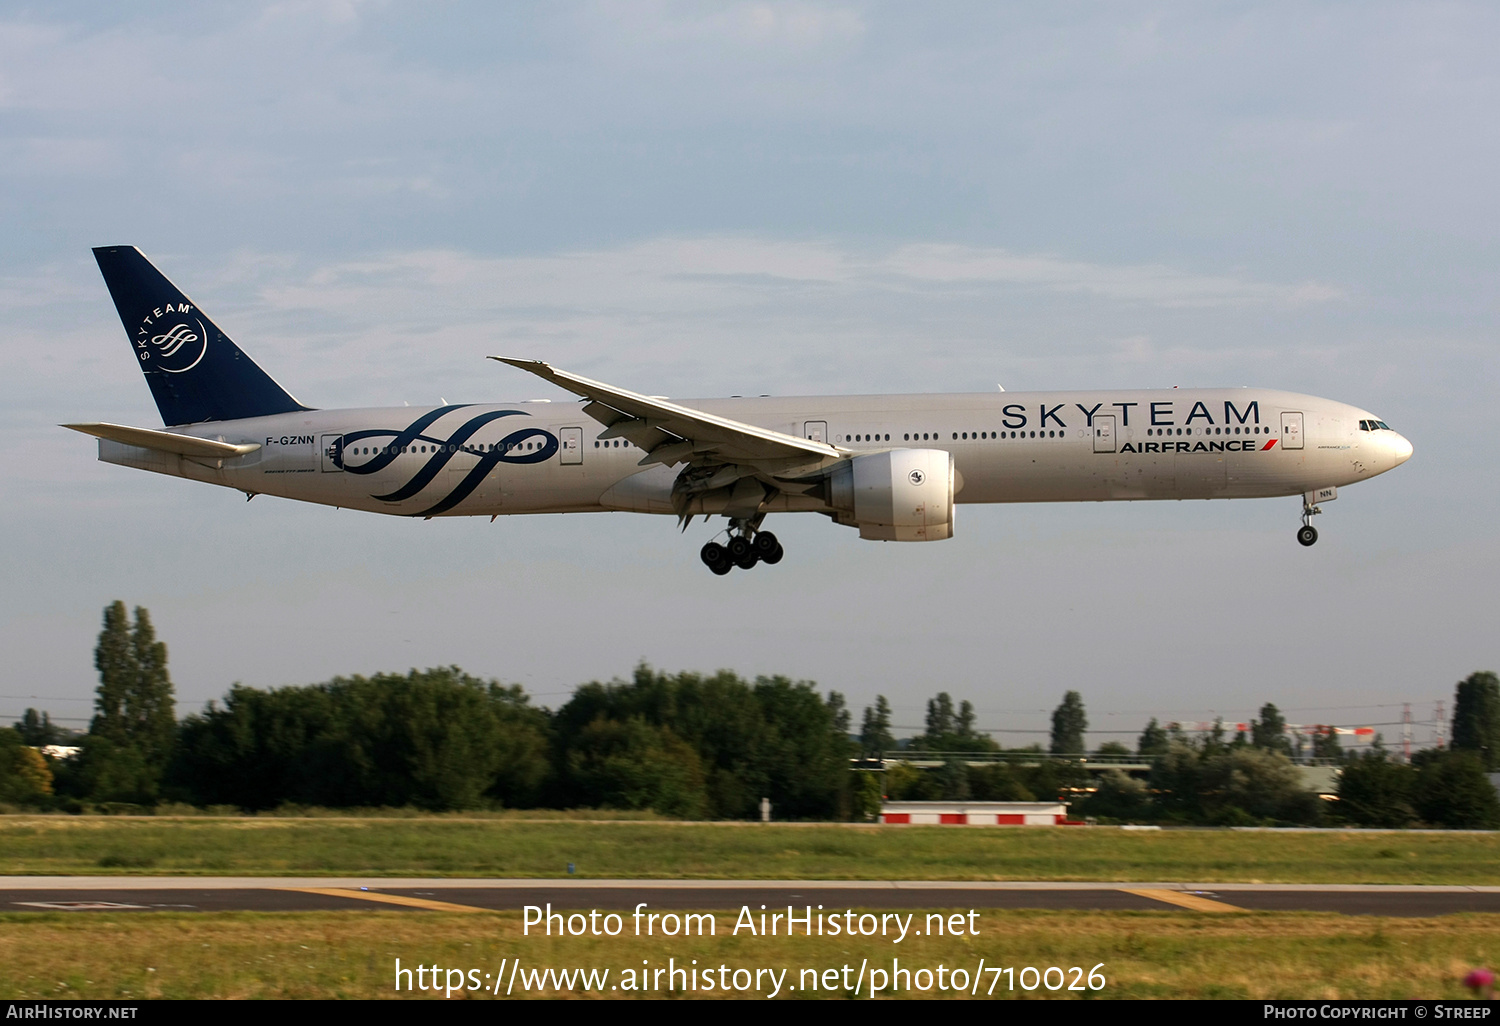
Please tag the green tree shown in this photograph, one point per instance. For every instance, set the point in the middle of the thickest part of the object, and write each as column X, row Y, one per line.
column 103, row 771
column 838, row 709
column 1476, row 718
column 25, row 778
column 1068, row 724
column 1153, row 740
column 1112, row 748
column 1269, row 732
column 773, row 737
column 37, row 729
column 875, row 734
column 632, row 764
column 997, row 782
column 436, row 739
column 867, row 795
column 114, row 658
column 1325, row 744
column 953, row 781
column 1214, row 744
column 950, row 730
column 940, row 720
column 1230, row 787
column 151, row 722
column 963, row 723
column 1118, row 796
column 1374, row 791
column 1453, row 791
column 134, row 726
column 1259, row 784
column 904, row 782
column 1176, row 781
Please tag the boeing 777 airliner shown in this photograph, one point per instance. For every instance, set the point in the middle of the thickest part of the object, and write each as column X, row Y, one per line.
column 892, row 466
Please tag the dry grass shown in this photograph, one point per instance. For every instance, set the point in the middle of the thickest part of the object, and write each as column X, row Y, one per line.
column 1164, row 954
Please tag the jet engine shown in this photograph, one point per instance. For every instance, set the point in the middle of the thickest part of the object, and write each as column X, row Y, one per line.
column 900, row 495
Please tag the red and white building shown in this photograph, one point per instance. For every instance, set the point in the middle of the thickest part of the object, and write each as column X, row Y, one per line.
column 976, row 813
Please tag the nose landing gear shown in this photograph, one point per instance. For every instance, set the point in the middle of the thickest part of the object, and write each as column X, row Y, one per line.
column 1307, row 534
column 746, row 547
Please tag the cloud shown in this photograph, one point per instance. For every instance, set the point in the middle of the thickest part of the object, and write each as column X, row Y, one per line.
column 695, row 273
column 761, row 26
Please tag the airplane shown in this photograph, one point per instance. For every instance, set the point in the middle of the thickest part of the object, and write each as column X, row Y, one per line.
column 894, row 467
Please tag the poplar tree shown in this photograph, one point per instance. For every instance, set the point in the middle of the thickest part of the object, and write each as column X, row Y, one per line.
column 149, row 708
column 875, row 733
column 1269, row 732
column 1476, row 718
column 939, row 717
column 1068, row 724
column 114, row 658
column 1153, row 740
column 134, row 702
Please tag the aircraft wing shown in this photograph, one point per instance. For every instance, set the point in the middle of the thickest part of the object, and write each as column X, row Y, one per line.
column 164, row 441
column 672, row 434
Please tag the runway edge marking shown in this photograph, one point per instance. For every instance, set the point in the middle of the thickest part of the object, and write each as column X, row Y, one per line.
column 1183, row 900
column 389, row 899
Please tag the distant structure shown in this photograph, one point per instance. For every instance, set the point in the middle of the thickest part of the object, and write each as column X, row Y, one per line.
column 975, row 814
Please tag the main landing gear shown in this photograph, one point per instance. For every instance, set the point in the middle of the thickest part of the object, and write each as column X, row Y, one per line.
column 746, row 547
column 1307, row 534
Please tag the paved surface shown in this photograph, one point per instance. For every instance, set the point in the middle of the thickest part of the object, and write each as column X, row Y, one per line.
column 286, row 894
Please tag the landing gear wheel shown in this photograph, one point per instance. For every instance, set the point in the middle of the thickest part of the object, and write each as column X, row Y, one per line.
column 716, row 558
column 739, row 548
column 767, row 548
column 1307, row 534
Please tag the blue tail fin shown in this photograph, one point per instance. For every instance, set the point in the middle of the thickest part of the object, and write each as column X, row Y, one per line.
column 195, row 372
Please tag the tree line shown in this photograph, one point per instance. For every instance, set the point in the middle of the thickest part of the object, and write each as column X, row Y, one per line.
column 687, row 745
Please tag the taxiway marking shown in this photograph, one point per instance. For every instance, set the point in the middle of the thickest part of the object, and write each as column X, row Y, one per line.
column 389, row 899
column 1184, row 900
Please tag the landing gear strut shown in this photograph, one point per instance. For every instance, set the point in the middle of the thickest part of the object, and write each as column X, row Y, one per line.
column 1307, row 534
column 746, row 546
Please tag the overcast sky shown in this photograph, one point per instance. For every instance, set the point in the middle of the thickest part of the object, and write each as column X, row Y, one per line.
column 787, row 198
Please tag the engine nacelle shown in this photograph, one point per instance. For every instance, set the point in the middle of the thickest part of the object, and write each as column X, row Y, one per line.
column 900, row 495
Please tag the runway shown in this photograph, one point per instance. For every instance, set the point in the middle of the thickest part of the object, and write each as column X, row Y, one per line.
column 301, row 894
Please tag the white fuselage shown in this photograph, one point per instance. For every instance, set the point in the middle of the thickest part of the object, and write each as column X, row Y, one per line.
column 539, row 457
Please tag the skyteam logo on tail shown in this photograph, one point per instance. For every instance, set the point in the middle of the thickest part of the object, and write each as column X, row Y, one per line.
column 168, row 341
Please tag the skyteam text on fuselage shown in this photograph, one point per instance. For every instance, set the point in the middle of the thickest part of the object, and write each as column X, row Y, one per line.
column 892, row 466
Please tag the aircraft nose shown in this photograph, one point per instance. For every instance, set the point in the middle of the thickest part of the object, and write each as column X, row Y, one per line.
column 1401, row 449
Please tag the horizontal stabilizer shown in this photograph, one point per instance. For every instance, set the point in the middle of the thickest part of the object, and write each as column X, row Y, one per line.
column 164, row 441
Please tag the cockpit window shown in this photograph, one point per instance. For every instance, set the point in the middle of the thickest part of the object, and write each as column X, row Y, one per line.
column 1374, row 425
column 1383, row 425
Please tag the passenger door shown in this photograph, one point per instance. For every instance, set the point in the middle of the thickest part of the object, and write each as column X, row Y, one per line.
column 1104, row 434
column 1291, row 430
column 330, row 447
column 570, row 445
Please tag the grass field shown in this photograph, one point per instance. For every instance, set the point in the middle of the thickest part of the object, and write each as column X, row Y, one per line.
column 513, row 847
column 352, row 954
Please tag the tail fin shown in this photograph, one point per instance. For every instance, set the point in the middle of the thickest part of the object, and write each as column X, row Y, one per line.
column 195, row 372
